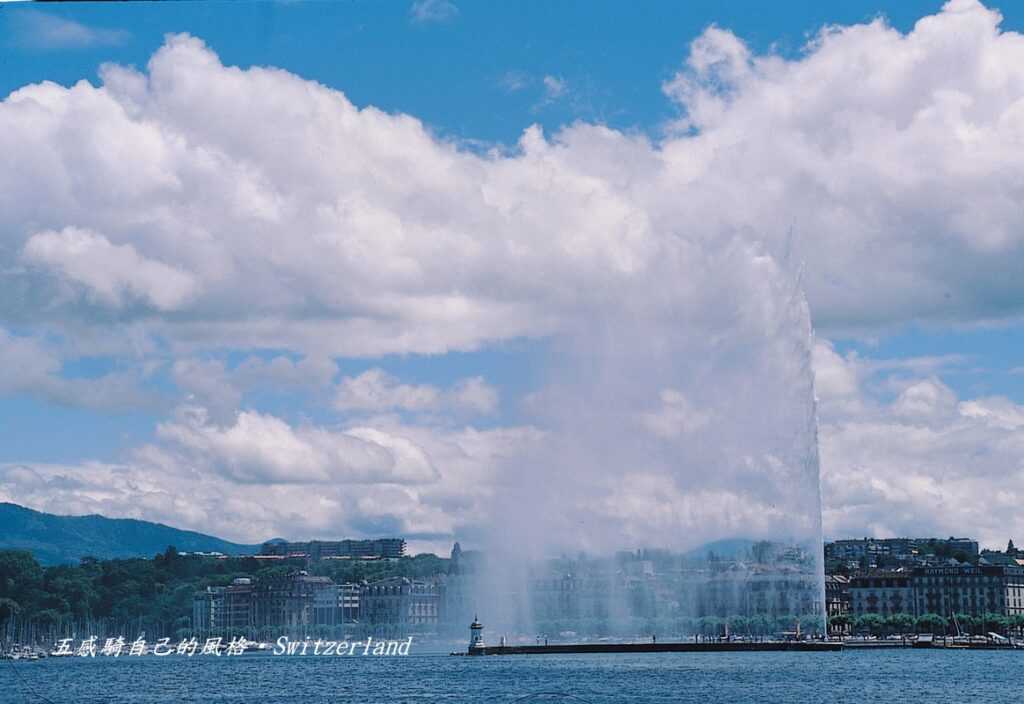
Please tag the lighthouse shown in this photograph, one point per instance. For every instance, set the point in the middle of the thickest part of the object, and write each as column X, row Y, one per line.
column 476, row 637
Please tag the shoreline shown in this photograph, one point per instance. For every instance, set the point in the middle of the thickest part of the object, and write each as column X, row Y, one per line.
column 667, row 647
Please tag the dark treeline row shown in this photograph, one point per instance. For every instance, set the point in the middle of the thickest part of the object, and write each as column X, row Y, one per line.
column 128, row 597
column 957, row 624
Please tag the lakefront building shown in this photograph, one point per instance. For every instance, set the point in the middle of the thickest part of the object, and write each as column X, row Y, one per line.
column 391, row 606
column 238, row 606
column 884, row 594
column 302, row 604
column 348, row 602
column 974, row 590
column 837, row 595
column 763, row 590
column 207, row 610
column 224, row 609
column 777, row 592
column 294, row 602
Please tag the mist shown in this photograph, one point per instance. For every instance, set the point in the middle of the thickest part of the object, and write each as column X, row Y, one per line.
column 679, row 421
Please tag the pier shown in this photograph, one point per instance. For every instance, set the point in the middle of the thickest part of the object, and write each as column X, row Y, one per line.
column 668, row 647
column 478, row 647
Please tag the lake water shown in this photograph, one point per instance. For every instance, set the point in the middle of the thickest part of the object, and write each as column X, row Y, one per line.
column 880, row 676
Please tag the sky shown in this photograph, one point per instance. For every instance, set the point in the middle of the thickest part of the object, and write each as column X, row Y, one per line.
column 323, row 269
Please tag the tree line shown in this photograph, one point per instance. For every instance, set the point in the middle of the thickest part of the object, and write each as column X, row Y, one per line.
column 130, row 596
column 899, row 623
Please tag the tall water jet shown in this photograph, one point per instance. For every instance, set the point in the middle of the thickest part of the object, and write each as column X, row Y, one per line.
column 677, row 489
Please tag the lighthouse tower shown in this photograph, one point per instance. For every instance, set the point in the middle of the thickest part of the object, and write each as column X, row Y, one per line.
column 476, row 637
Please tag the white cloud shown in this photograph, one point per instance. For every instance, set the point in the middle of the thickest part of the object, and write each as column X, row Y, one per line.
column 998, row 412
column 208, row 208
column 554, row 87
column 834, row 377
column 220, row 389
column 32, row 366
column 922, row 463
column 375, row 390
column 39, row 30
column 427, row 11
column 355, row 232
column 208, row 383
column 675, row 416
column 928, row 398
column 515, row 81
column 442, row 250
column 473, row 394
column 260, row 448
column 890, row 154
column 200, row 477
column 111, row 274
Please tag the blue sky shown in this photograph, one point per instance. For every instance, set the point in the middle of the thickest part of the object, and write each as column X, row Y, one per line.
column 477, row 75
column 455, row 72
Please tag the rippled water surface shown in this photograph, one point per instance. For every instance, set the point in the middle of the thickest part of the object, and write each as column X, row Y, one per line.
column 881, row 676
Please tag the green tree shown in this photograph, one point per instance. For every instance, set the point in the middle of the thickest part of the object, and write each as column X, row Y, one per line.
column 20, row 580
column 838, row 623
column 739, row 625
column 709, row 625
column 995, row 622
column 966, row 622
column 1017, row 623
column 8, row 608
column 932, row 623
column 900, row 622
column 762, row 625
column 871, row 623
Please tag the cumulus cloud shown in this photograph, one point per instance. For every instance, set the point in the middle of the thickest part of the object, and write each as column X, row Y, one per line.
column 261, row 448
column 375, row 390
column 208, row 207
column 221, row 388
column 474, row 394
column 32, row 366
column 675, row 416
column 200, row 476
column 208, row 383
column 111, row 274
column 889, row 152
column 995, row 411
column 926, row 398
column 310, row 373
column 922, row 462
column 311, row 240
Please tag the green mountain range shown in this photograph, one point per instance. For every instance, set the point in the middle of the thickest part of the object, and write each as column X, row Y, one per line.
column 59, row 539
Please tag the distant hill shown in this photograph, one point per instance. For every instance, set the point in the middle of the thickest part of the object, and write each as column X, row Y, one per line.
column 58, row 539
